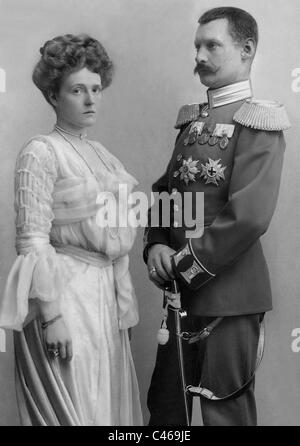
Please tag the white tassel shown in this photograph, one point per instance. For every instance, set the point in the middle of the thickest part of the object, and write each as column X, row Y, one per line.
column 163, row 333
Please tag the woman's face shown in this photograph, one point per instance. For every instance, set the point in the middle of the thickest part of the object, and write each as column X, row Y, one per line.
column 77, row 103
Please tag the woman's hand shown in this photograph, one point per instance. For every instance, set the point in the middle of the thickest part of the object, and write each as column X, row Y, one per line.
column 57, row 338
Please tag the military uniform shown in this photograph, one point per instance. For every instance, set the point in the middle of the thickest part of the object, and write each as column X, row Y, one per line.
column 231, row 149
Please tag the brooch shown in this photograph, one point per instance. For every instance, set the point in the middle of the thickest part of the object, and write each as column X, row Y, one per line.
column 213, row 172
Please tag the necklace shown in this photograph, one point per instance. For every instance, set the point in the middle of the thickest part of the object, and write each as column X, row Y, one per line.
column 80, row 135
column 60, row 132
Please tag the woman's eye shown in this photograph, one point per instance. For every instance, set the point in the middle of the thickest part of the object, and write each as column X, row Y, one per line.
column 76, row 91
column 97, row 90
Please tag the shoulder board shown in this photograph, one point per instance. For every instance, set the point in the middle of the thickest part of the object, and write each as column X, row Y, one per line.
column 186, row 114
column 263, row 115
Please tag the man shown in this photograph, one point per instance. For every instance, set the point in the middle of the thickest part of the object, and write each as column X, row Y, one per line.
column 231, row 149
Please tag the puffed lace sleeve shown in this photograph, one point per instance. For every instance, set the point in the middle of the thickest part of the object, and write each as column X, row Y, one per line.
column 35, row 273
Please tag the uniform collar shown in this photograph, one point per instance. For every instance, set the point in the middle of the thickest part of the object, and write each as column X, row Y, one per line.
column 229, row 94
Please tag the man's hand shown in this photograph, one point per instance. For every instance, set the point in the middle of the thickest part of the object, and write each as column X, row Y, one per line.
column 159, row 264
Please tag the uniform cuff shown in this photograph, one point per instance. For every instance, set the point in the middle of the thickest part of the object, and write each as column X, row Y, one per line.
column 188, row 268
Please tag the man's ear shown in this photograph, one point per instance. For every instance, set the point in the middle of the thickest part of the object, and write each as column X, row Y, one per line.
column 248, row 49
column 52, row 98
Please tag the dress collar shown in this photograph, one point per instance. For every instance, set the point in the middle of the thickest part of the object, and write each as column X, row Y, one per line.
column 229, row 94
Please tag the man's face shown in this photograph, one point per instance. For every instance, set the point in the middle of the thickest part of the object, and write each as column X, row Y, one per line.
column 219, row 58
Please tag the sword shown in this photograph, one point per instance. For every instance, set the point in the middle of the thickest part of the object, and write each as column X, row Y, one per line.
column 172, row 297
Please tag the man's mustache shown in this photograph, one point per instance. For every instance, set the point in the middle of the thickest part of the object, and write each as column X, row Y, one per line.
column 200, row 68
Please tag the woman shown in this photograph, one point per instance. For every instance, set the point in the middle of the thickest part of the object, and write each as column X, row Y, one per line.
column 69, row 296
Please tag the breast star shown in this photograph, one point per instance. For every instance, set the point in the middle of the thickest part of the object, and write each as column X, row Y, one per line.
column 213, row 172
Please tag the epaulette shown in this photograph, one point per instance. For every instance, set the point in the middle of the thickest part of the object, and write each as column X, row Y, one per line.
column 186, row 114
column 262, row 115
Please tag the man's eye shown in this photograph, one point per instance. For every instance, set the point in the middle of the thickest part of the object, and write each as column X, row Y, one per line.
column 212, row 46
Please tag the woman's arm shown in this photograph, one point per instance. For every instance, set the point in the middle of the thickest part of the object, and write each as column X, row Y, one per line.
column 36, row 274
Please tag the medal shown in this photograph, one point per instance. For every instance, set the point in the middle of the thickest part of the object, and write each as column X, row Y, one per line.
column 197, row 127
column 213, row 140
column 195, row 131
column 224, row 132
column 192, row 139
column 224, row 143
column 204, row 138
column 206, row 133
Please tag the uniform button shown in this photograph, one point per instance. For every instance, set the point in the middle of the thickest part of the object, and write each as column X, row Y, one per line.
column 176, row 224
column 176, row 207
column 174, row 191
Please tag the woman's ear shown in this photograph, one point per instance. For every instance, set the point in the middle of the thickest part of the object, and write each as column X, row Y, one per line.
column 248, row 49
column 52, row 98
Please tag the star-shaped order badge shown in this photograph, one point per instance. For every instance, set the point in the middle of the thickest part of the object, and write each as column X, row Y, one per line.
column 213, row 172
column 188, row 170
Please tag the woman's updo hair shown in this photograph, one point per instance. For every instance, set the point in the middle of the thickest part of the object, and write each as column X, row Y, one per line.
column 66, row 54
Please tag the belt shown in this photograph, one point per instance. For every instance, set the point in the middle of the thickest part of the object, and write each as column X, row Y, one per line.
column 126, row 301
column 91, row 257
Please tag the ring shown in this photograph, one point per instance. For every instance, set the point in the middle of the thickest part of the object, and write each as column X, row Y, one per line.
column 54, row 352
column 152, row 271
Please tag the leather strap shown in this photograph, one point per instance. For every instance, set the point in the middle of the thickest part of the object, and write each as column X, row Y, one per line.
column 208, row 394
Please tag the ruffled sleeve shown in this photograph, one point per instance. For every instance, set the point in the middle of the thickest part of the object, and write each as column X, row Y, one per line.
column 36, row 272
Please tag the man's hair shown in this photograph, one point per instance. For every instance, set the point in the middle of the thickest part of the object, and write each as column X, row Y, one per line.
column 242, row 25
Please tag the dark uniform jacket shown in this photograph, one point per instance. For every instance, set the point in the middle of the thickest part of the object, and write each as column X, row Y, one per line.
column 231, row 149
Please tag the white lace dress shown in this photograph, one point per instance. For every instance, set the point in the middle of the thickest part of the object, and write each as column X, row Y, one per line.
column 64, row 255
